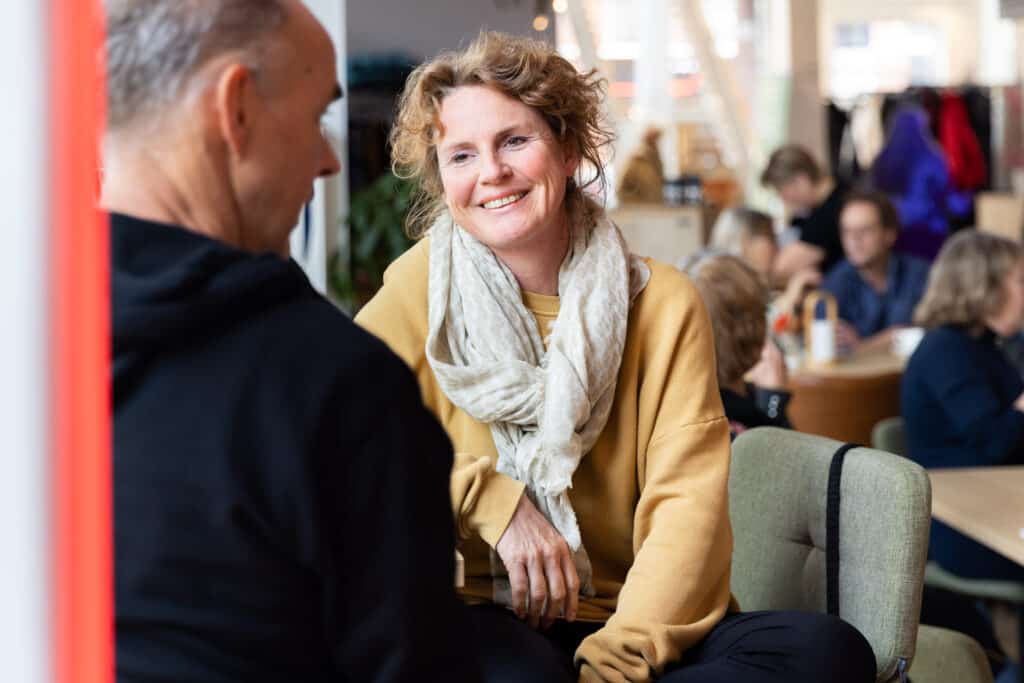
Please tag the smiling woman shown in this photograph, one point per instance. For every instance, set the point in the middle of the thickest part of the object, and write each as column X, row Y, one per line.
column 548, row 87
column 557, row 362
column 505, row 178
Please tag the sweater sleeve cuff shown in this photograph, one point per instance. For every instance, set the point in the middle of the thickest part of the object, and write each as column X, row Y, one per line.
column 495, row 506
column 772, row 402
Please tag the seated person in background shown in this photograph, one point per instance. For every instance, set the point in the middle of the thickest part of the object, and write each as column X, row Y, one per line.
column 962, row 400
column 280, row 493
column 750, row 235
column 578, row 384
column 736, row 298
column 812, row 200
column 875, row 288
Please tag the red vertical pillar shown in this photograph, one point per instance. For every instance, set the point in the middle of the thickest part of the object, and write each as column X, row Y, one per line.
column 80, row 352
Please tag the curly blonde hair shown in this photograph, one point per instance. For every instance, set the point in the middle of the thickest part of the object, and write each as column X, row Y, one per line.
column 736, row 299
column 966, row 283
column 525, row 69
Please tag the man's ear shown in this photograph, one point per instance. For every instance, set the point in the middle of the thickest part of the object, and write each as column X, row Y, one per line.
column 234, row 99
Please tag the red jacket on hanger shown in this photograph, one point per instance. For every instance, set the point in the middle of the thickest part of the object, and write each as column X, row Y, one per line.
column 963, row 151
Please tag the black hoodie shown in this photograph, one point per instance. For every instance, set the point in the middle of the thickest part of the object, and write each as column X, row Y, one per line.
column 281, row 506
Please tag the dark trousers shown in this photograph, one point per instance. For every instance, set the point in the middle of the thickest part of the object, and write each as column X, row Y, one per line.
column 790, row 647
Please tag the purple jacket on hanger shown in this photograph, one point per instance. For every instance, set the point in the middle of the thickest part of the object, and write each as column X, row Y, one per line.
column 913, row 171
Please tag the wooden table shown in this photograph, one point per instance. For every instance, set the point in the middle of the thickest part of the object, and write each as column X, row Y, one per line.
column 984, row 503
column 846, row 400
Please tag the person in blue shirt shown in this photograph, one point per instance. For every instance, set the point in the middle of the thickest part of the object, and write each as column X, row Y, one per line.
column 962, row 399
column 876, row 288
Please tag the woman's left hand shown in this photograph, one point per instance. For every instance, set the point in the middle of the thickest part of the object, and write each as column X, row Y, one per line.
column 541, row 571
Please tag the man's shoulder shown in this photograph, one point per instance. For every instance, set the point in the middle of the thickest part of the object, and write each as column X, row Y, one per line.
column 322, row 341
column 841, row 276
column 914, row 268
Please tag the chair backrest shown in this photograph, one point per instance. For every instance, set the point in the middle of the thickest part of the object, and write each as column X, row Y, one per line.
column 777, row 501
column 888, row 436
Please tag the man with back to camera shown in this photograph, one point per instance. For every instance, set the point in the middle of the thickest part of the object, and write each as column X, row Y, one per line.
column 281, row 505
column 876, row 289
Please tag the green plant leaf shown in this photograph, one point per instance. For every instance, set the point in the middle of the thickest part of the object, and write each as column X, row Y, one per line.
column 377, row 236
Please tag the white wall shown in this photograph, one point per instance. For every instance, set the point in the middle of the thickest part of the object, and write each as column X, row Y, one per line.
column 422, row 28
column 25, row 645
column 329, row 207
column 957, row 21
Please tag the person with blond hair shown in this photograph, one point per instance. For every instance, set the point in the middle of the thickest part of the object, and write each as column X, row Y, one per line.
column 736, row 299
column 962, row 400
column 578, row 384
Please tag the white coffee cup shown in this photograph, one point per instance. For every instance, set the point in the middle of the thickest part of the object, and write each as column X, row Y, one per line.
column 906, row 340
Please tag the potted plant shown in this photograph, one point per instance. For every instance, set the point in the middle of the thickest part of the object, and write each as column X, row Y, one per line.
column 376, row 223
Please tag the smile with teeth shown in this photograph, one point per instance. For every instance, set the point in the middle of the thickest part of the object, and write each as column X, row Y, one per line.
column 504, row 201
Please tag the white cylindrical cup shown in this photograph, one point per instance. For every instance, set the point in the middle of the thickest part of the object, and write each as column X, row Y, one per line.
column 823, row 341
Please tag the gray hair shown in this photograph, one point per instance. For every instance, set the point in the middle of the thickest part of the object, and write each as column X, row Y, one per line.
column 155, row 47
column 738, row 224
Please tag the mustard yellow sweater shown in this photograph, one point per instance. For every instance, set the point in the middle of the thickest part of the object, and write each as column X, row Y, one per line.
column 650, row 497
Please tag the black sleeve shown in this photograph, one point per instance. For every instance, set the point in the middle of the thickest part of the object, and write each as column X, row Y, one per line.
column 389, row 534
column 821, row 229
column 773, row 404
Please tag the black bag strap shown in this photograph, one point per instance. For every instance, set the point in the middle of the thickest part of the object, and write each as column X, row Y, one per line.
column 835, row 474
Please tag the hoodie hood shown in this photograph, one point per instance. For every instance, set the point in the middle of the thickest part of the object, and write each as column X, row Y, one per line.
column 171, row 285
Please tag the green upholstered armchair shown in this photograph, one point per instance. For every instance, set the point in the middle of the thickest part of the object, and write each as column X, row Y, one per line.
column 777, row 499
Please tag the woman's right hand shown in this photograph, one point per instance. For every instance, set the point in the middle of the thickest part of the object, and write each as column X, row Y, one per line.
column 1019, row 403
column 770, row 371
column 540, row 567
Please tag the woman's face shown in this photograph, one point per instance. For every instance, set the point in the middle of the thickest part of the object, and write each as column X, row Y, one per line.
column 1010, row 318
column 503, row 172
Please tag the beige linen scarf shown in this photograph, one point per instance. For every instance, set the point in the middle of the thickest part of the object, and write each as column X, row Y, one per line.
column 545, row 407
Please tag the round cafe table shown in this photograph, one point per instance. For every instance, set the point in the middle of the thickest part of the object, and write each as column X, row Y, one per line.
column 845, row 400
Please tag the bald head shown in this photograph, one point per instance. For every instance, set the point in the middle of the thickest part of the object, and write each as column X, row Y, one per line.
column 155, row 48
column 215, row 113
